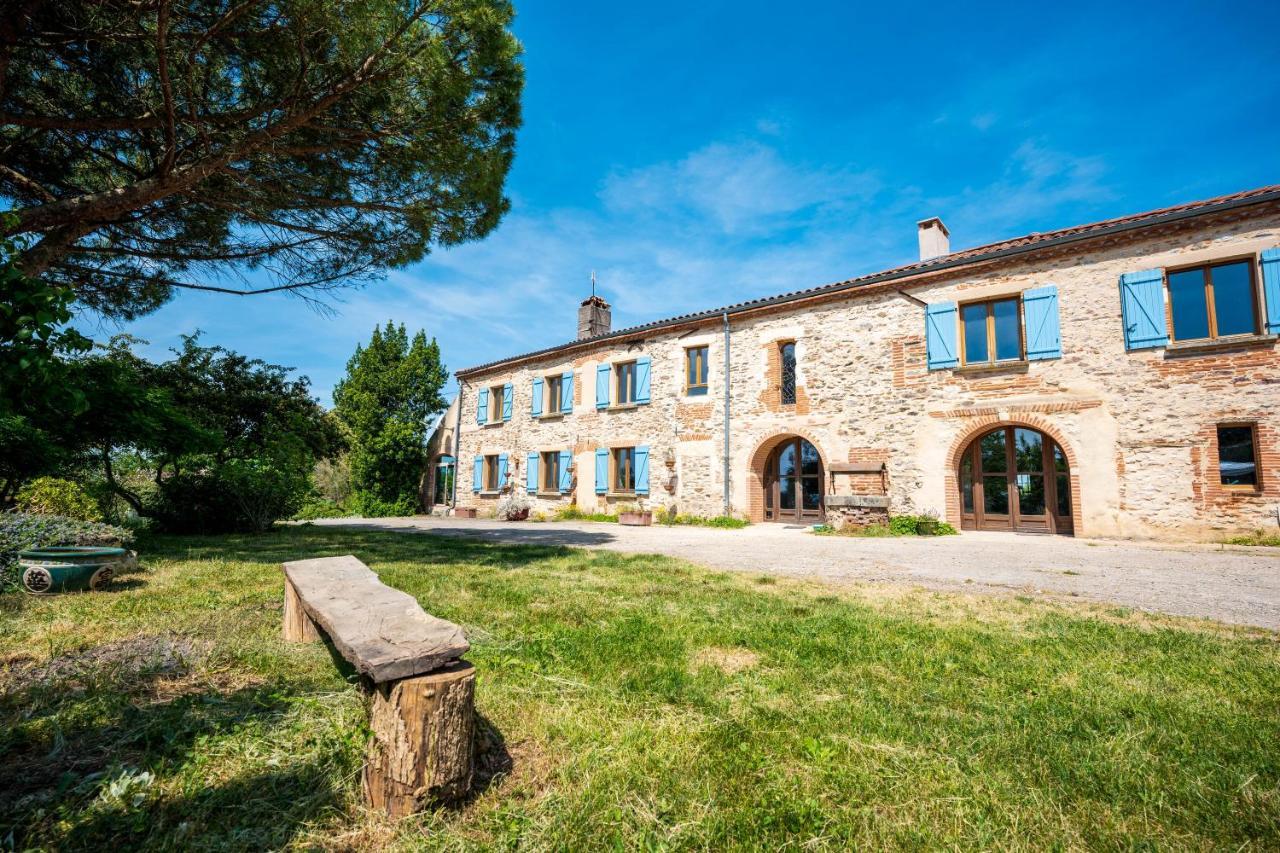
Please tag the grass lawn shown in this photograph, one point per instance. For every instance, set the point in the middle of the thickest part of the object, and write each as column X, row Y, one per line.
column 634, row 702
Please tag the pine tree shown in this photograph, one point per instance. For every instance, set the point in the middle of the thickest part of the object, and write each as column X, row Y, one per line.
column 391, row 390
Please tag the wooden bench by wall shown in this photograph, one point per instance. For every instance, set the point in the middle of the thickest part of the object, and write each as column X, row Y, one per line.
column 422, row 708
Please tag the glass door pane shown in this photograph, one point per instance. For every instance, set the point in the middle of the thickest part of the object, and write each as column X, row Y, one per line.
column 787, row 493
column 995, row 494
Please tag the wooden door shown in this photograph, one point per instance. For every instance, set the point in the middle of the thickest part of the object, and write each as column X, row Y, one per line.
column 793, row 483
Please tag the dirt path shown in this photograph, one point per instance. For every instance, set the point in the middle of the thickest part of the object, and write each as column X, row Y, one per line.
column 1230, row 585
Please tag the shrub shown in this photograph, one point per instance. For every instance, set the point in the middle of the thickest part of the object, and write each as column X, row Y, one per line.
column 52, row 496
column 320, row 507
column 902, row 525
column 242, row 495
column 572, row 513
column 20, row 531
column 669, row 517
column 369, row 505
column 332, row 479
column 513, row 507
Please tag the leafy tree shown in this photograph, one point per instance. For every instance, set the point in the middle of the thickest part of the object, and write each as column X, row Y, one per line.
column 391, row 389
column 301, row 144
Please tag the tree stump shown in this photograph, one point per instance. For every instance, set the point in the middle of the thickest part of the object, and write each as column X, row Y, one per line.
column 421, row 749
column 298, row 626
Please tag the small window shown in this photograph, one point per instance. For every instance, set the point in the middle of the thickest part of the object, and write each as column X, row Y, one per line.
column 550, row 471
column 626, row 379
column 1213, row 301
column 695, row 360
column 553, row 384
column 991, row 331
column 624, row 469
column 1238, row 455
column 497, row 399
column 491, row 483
column 787, row 356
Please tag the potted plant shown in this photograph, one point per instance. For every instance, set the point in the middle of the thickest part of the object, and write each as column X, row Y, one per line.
column 927, row 523
column 634, row 515
column 514, row 506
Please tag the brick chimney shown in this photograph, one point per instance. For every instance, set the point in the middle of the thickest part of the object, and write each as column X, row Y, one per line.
column 594, row 317
column 935, row 239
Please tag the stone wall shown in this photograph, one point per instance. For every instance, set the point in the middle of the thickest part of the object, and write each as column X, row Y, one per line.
column 1138, row 428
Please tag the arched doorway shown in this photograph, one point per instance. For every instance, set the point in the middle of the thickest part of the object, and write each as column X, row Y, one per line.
column 1015, row 478
column 793, row 483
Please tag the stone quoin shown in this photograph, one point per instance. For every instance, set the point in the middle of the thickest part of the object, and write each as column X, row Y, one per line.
column 1113, row 379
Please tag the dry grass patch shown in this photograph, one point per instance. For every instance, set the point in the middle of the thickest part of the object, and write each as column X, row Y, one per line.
column 728, row 661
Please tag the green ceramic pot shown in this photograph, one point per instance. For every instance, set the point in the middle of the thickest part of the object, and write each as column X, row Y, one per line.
column 68, row 568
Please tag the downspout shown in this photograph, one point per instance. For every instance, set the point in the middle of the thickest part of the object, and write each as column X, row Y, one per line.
column 457, row 449
column 726, row 412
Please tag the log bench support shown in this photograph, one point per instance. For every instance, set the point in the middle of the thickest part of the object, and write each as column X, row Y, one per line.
column 421, row 694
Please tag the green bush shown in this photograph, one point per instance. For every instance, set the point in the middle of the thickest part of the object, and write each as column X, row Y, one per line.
column 320, row 507
column 20, row 531
column 52, row 496
column 572, row 513
column 726, row 522
column 903, row 525
column 368, row 505
column 240, row 496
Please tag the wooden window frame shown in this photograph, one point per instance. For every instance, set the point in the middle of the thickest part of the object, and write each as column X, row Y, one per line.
column 990, row 302
column 497, row 399
column 618, row 370
column 615, row 470
column 549, row 461
column 703, row 352
column 551, row 402
column 490, row 483
column 782, row 369
column 1252, row 426
column 1251, row 262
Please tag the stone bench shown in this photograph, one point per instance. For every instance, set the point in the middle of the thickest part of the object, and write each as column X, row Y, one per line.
column 422, row 711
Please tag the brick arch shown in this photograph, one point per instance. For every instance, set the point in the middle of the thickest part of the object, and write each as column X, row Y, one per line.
column 983, row 425
column 760, row 455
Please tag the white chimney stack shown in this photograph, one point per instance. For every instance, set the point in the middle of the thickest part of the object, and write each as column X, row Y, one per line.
column 935, row 239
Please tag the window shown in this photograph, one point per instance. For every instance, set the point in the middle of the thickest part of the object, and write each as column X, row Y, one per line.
column 550, row 465
column 991, row 331
column 1213, row 301
column 1237, row 456
column 695, row 360
column 626, row 379
column 787, row 357
column 624, row 469
column 553, row 385
column 492, row 482
column 497, row 399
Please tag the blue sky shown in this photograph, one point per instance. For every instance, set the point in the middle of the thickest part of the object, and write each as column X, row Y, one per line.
column 701, row 154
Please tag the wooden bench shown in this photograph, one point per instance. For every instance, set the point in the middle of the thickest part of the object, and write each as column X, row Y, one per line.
column 422, row 711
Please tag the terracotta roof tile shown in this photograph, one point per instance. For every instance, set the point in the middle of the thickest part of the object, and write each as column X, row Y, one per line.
column 1016, row 245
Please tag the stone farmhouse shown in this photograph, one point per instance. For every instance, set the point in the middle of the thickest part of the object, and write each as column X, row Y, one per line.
column 1113, row 379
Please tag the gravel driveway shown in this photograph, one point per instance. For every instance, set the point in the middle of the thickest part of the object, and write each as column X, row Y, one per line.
column 1240, row 586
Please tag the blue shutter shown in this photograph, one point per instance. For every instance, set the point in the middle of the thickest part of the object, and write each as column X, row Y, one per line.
column 502, row 470
column 1142, row 307
column 603, row 373
column 642, row 379
column 566, row 481
column 940, row 324
column 566, row 392
column 602, row 470
column 1044, row 329
column 1271, row 288
column 531, row 474
column 477, row 481
column 642, row 470
column 537, row 397
column 482, row 406
column 506, row 402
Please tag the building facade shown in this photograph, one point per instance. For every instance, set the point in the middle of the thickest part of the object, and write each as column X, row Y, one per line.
column 1114, row 379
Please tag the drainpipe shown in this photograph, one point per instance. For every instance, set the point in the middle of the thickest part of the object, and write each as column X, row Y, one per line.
column 726, row 412
column 457, row 448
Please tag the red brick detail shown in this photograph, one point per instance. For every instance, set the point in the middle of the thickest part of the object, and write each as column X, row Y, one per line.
column 909, row 360
column 1211, row 496
column 755, row 469
column 771, row 396
column 982, row 425
column 1019, row 409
